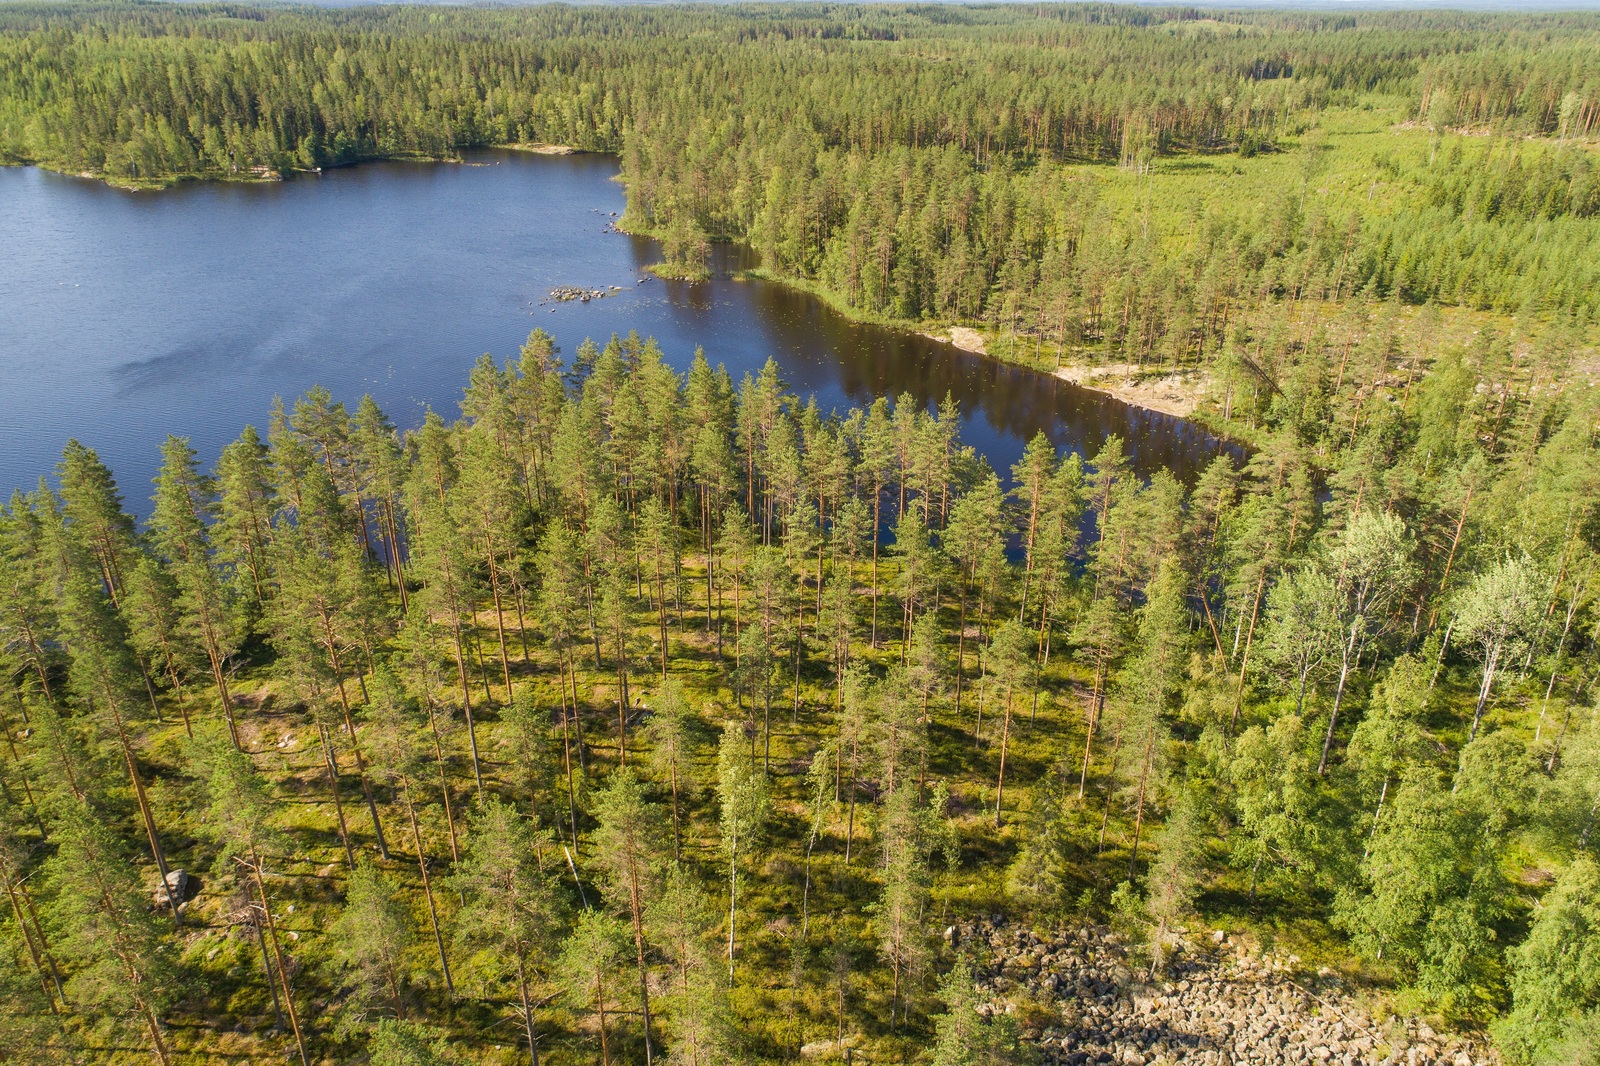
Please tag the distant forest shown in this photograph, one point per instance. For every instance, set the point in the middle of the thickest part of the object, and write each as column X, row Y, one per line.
column 943, row 162
column 639, row 715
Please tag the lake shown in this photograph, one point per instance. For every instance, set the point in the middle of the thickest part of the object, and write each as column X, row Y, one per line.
column 126, row 316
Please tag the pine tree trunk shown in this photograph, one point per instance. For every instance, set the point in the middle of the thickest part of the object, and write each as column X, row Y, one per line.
column 527, row 1013
column 850, row 825
column 677, row 835
column 271, row 975
column 361, row 764
column 637, row 907
column 427, row 887
column 1005, row 744
column 566, row 750
column 500, row 624
column 466, row 703
column 277, row 957
column 1238, row 692
column 1144, row 781
column 444, row 778
column 331, row 763
column 33, row 948
column 733, row 900
column 145, row 813
column 877, row 526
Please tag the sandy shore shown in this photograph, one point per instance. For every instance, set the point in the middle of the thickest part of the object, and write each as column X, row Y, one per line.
column 963, row 337
column 544, row 149
column 1177, row 394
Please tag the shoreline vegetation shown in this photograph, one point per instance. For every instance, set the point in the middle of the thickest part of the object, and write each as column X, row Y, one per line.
column 637, row 714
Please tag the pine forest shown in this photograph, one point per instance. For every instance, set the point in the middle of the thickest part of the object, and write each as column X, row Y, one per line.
column 619, row 713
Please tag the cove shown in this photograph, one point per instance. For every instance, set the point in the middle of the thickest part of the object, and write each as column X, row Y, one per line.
column 126, row 316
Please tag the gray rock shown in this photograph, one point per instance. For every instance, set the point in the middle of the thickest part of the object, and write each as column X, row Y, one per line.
column 1222, row 1009
column 175, row 888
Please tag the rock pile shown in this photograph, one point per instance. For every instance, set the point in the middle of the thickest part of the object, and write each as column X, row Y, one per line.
column 1085, row 1003
column 565, row 293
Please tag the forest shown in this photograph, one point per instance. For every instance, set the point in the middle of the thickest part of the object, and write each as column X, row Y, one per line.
column 599, row 723
column 1126, row 182
column 631, row 713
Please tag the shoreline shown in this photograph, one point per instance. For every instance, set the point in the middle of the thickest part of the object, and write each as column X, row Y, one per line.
column 1179, row 393
column 1175, row 395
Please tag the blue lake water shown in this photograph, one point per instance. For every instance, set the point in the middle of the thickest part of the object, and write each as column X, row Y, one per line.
column 126, row 316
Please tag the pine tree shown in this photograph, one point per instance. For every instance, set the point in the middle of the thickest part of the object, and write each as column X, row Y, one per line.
column 439, row 562
column 381, row 477
column 745, row 807
column 668, row 732
column 1274, row 794
column 243, row 533
column 970, row 542
column 27, row 611
column 239, row 807
column 1152, row 679
column 185, row 505
column 1554, row 976
column 905, row 843
column 489, row 506
column 402, row 1043
column 28, row 1014
column 37, row 992
column 698, row 1026
column 122, row 964
column 317, row 623
column 103, row 668
column 368, row 943
column 965, row 1037
column 589, row 957
column 821, row 799
column 1010, row 667
column 627, row 845
column 156, row 630
column 853, row 733
column 511, row 913
column 560, row 612
column 1174, row 879
column 92, row 507
column 397, row 760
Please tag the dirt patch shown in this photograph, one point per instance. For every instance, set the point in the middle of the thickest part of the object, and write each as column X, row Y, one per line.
column 544, row 149
column 1177, row 394
column 964, row 337
column 967, row 339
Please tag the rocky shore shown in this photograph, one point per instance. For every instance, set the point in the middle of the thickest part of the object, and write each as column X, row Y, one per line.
column 1218, row 1002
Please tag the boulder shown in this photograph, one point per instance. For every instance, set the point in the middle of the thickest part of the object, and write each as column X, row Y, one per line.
column 176, row 888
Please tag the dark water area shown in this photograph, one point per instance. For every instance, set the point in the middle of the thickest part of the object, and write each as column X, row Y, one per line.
column 128, row 316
